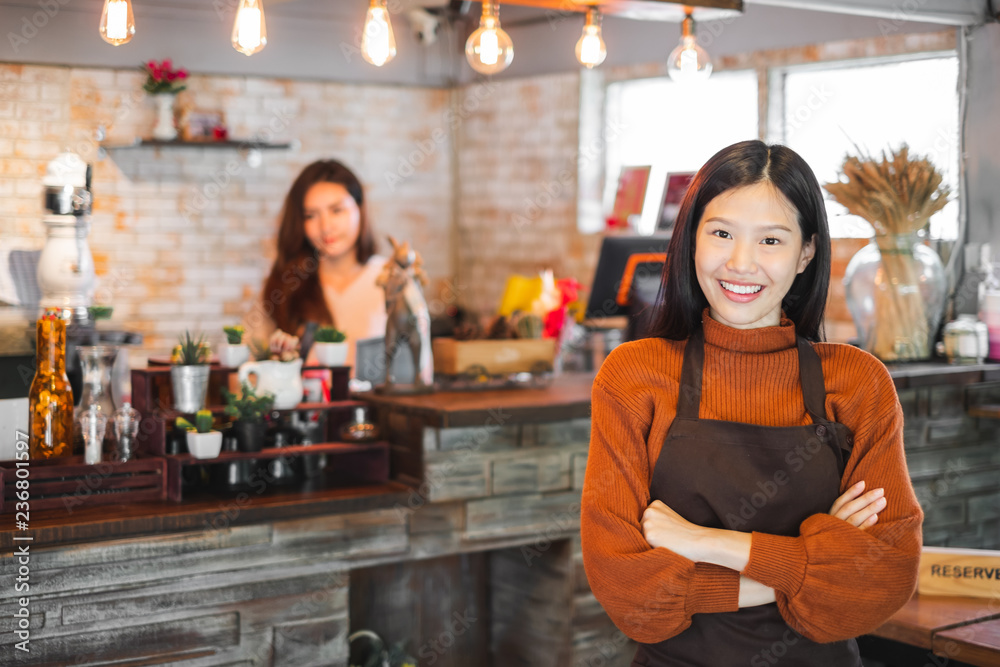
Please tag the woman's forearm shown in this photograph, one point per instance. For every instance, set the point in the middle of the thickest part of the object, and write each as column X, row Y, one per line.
column 728, row 548
column 753, row 593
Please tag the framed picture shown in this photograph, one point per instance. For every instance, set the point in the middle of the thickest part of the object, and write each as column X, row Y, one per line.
column 673, row 195
column 201, row 124
column 631, row 193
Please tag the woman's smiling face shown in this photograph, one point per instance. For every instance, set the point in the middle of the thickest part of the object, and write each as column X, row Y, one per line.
column 748, row 250
column 332, row 219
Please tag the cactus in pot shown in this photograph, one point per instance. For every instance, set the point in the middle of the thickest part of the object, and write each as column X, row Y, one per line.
column 234, row 351
column 330, row 346
column 202, row 441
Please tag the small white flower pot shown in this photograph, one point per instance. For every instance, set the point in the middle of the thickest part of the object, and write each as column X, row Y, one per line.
column 233, row 355
column 331, row 354
column 204, row 445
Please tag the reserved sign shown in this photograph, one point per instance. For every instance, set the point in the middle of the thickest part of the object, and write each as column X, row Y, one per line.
column 947, row 571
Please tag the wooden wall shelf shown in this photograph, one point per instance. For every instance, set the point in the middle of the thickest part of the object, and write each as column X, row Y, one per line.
column 177, row 143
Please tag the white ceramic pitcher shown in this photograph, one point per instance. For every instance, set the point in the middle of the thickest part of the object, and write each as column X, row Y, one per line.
column 281, row 378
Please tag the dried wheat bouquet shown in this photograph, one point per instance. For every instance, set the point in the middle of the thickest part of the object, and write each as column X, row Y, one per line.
column 897, row 194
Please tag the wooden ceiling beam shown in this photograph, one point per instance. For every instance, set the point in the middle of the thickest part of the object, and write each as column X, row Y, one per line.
column 651, row 10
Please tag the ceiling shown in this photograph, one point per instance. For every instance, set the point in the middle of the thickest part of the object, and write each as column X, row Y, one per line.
column 318, row 39
column 947, row 12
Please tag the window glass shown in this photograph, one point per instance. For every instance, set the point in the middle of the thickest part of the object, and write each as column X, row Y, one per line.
column 831, row 111
column 674, row 128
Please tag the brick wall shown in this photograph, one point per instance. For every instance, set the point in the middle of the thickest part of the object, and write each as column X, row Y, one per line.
column 954, row 463
column 182, row 237
column 517, row 185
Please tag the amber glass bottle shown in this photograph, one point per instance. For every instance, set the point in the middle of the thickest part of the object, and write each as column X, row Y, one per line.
column 51, row 398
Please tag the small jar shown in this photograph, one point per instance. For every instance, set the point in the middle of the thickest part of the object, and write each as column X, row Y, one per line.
column 359, row 430
column 965, row 340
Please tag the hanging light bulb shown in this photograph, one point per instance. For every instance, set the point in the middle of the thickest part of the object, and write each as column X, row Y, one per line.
column 378, row 45
column 489, row 49
column 590, row 48
column 689, row 62
column 117, row 22
column 249, row 29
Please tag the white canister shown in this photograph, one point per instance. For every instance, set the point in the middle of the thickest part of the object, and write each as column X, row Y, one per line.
column 965, row 340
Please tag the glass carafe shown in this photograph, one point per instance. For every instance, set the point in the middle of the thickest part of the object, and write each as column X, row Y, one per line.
column 96, row 362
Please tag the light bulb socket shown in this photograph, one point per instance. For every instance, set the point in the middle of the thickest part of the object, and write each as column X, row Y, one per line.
column 594, row 17
column 687, row 25
column 490, row 9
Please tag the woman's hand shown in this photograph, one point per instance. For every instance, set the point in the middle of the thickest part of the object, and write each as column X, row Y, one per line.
column 859, row 510
column 283, row 346
column 663, row 527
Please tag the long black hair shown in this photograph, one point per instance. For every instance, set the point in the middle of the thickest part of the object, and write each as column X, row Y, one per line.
column 681, row 300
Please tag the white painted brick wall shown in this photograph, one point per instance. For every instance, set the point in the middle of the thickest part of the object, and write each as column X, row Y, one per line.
column 515, row 214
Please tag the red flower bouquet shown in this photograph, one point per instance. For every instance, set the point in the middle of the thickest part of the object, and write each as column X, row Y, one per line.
column 163, row 78
column 555, row 319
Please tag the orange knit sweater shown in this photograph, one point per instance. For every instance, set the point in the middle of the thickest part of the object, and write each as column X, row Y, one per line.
column 833, row 581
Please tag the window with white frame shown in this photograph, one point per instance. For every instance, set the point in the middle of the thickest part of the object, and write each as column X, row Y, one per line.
column 829, row 110
column 675, row 127
column 824, row 111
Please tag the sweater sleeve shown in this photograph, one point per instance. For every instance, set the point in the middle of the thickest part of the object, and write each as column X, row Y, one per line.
column 835, row 581
column 650, row 594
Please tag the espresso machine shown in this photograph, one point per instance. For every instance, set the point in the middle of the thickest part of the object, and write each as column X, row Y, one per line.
column 66, row 266
column 66, row 275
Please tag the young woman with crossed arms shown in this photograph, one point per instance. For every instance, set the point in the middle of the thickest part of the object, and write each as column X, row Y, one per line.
column 746, row 498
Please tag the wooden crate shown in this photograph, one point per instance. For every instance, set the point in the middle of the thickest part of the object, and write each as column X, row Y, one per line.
column 498, row 357
column 68, row 482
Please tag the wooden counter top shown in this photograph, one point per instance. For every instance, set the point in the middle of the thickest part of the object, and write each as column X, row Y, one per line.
column 929, row 373
column 201, row 512
column 568, row 397
column 924, row 617
column 976, row 644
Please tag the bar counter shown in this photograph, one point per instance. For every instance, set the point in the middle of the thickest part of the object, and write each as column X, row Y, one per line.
column 481, row 517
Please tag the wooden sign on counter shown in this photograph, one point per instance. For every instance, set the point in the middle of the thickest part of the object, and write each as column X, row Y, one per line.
column 949, row 571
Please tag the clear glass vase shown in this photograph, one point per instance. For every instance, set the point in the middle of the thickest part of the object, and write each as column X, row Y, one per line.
column 895, row 288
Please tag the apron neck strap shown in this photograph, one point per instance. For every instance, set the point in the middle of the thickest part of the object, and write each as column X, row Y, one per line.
column 810, row 376
column 689, row 396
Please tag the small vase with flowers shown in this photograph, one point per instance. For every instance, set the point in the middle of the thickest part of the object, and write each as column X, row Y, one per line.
column 163, row 82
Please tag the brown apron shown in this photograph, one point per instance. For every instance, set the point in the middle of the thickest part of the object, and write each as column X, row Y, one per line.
column 743, row 477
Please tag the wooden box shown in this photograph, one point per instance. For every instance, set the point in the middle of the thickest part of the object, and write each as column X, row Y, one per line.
column 68, row 482
column 497, row 357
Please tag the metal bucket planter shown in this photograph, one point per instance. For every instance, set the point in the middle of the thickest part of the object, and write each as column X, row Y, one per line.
column 190, row 385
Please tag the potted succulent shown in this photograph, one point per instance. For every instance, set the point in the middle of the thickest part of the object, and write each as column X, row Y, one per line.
column 330, row 346
column 202, row 441
column 249, row 410
column 189, row 372
column 234, row 352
